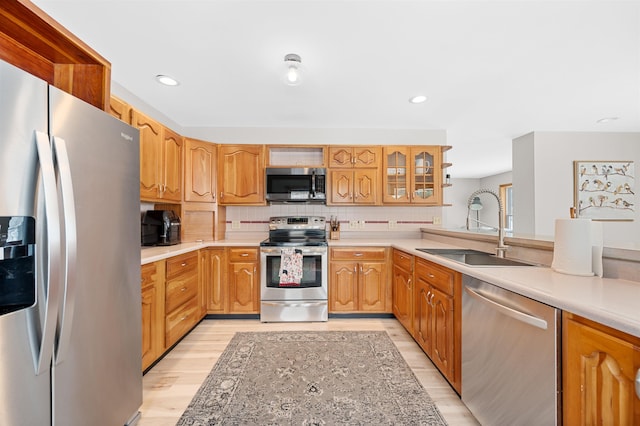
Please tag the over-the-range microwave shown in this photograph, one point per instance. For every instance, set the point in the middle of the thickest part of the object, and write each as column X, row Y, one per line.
column 296, row 184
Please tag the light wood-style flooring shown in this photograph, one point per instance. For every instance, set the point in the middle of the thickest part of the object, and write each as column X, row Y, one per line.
column 171, row 384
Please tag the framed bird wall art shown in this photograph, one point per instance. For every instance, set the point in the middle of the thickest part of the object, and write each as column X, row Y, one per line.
column 605, row 190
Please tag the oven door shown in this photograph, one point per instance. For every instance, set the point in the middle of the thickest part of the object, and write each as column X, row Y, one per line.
column 313, row 285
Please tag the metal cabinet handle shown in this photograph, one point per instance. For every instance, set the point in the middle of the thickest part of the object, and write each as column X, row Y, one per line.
column 638, row 383
column 431, row 300
column 183, row 264
column 244, row 254
column 183, row 289
column 357, row 254
column 431, row 275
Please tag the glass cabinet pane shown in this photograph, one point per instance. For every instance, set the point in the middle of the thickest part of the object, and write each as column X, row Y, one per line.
column 423, row 175
column 396, row 176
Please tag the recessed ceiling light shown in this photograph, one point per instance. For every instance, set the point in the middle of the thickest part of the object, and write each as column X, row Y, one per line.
column 607, row 120
column 418, row 99
column 166, row 80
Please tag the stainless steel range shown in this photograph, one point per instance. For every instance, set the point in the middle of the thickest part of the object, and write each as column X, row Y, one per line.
column 293, row 266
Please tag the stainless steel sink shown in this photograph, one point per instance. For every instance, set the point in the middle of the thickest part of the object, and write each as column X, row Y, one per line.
column 471, row 257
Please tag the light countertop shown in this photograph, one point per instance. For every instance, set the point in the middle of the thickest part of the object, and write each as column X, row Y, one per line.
column 613, row 302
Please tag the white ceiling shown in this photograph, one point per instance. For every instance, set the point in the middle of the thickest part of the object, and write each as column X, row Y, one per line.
column 492, row 70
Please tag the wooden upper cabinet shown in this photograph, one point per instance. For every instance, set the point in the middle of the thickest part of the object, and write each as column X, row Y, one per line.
column 150, row 155
column 358, row 186
column 171, row 165
column 241, row 174
column 120, row 109
column 160, row 160
column 354, row 157
column 600, row 368
column 412, row 175
column 35, row 42
column 199, row 171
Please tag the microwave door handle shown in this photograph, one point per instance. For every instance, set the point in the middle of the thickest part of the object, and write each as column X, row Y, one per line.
column 313, row 184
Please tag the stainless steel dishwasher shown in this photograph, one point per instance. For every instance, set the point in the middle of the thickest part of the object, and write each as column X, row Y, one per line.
column 510, row 357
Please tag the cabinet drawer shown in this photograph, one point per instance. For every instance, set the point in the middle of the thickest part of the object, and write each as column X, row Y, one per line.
column 148, row 273
column 402, row 259
column 181, row 321
column 354, row 253
column 179, row 290
column 435, row 275
column 177, row 265
column 242, row 254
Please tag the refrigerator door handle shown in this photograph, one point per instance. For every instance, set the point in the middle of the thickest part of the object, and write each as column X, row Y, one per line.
column 43, row 351
column 71, row 242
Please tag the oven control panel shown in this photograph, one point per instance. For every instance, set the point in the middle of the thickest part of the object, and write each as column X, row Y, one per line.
column 297, row 222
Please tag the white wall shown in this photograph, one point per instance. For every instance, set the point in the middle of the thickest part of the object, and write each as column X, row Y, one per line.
column 455, row 216
column 543, row 164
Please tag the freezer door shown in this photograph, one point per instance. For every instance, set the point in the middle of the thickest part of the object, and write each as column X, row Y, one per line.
column 24, row 394
column 97, row 376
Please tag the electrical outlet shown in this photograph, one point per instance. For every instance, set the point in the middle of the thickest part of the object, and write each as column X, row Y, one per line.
column 235, row 224
column 393, row 224
column 361, row 224
column 353, row 224
column 436, row 220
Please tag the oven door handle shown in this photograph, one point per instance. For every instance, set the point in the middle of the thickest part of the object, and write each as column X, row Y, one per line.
column 306, row 251
column 295, row 304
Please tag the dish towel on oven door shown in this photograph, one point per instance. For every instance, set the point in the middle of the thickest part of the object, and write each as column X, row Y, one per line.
column 290, row 267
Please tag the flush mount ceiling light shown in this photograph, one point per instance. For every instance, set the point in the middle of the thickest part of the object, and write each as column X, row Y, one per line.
column 607, row 120
column 418, row 99
column 293, row 64
column 167, row 80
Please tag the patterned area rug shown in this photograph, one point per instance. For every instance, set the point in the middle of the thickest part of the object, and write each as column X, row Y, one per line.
column 311, row 378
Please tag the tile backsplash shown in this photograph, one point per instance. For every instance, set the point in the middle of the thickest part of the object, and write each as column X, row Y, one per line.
column 355, row 221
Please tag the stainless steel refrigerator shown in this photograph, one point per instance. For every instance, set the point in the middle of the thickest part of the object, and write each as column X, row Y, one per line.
column 70, row 310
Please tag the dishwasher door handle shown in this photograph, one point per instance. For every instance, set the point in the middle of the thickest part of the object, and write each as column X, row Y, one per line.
column 513, row 313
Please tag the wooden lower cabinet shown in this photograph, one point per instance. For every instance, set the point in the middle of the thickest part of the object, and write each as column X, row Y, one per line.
column 436, row 321
column 182, row 303
column 600, row 368
column 152, row 287
column 243, row 280
column 402, row 282
column 213, row 263
column 358, row 280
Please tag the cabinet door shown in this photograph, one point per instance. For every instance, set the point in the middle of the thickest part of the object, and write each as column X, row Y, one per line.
column 341, row 187
column 120, row 109
column 152, row 312
column 442, row 333
column 372, row 294
column 241, row 174
column 214, row 272
column 149, row 323
column 403, row 297
column 343, row 292
column 150, row 155
column 395, row 181
column 244, row 291
column 365, row 186
column 366, row 156
column 599, row 368
column 172, row 166
column 422, row 322
column 199, row 171
column 340, row 156
column 426, row 177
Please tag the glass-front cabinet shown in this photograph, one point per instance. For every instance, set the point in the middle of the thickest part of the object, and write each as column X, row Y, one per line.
column 412, row 175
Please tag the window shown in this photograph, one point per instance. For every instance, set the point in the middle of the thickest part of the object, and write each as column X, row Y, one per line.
column 506, row 196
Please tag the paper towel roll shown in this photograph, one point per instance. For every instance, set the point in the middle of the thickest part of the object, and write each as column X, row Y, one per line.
column 577, row 247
